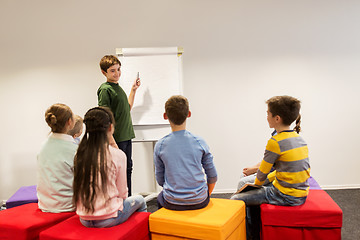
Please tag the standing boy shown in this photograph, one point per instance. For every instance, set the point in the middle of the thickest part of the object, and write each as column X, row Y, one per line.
column 180, row 159
column 111, row 95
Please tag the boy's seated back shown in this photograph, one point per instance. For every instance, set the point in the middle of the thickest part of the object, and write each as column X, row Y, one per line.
column 183, row 163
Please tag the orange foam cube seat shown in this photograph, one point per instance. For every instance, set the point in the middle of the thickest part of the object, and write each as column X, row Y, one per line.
column 221, row 219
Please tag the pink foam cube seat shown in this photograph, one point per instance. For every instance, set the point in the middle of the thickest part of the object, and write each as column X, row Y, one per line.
column 318, row 218
column 135, row 228
column 25, row 222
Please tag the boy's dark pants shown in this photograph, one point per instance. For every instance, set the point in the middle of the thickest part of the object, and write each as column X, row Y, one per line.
column 126, row 147
column 254, row 198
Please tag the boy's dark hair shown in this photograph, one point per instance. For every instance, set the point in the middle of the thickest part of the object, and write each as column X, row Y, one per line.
column 90, row 162
column 77, row 127
column 108, row 61
column 177, row 109
column 57, row 115
column 287, row 108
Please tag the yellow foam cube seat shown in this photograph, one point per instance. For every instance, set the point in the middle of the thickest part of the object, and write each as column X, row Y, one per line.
column 221, row 219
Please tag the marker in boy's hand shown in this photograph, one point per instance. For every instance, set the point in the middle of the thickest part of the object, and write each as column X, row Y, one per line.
column 137, row 83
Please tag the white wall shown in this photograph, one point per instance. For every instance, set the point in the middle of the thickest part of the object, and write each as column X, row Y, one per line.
column 237, row 55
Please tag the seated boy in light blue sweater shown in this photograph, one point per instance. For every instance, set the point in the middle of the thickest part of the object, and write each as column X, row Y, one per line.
column 183, row 163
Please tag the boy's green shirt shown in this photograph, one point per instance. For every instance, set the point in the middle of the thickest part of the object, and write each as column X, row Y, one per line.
column 113, row 96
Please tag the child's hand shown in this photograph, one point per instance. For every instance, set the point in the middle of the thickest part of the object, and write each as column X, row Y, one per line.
column 250, row 170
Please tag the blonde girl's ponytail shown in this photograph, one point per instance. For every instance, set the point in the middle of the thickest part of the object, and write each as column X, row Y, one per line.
column 56, row 117
column 51, row 120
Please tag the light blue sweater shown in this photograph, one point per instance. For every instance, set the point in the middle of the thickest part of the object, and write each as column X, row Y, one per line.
column 55, row 173
column 182, row 161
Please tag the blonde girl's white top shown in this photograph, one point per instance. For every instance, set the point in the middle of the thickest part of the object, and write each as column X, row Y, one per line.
column 55, row 163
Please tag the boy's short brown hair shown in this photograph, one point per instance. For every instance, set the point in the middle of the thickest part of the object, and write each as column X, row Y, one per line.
column 108, row 61
column 288, row 108
column 77, row 127
column 177, row 109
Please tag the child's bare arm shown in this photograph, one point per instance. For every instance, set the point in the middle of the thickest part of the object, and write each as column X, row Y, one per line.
column 211, row 187
column 251, row 170
column 134, row 87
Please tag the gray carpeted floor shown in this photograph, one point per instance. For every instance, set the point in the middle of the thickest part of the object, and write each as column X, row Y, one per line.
column 349, row 202
column 347, row 199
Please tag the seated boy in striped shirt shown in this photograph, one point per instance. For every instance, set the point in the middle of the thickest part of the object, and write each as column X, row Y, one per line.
column 287, row 152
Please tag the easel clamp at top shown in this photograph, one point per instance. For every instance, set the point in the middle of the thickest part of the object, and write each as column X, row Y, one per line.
column 147, row 51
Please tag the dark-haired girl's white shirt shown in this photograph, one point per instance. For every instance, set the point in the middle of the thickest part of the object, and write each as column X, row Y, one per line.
column 109, row 205
column 55, row 163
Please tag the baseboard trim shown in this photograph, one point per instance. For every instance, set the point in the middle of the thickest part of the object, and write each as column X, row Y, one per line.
column 338, row 187
column 222, row 191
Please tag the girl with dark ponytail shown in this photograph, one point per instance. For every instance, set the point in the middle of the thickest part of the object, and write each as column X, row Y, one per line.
column 100, row 186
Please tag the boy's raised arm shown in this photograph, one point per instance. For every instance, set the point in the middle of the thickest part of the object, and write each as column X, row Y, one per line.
column 134, row 87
